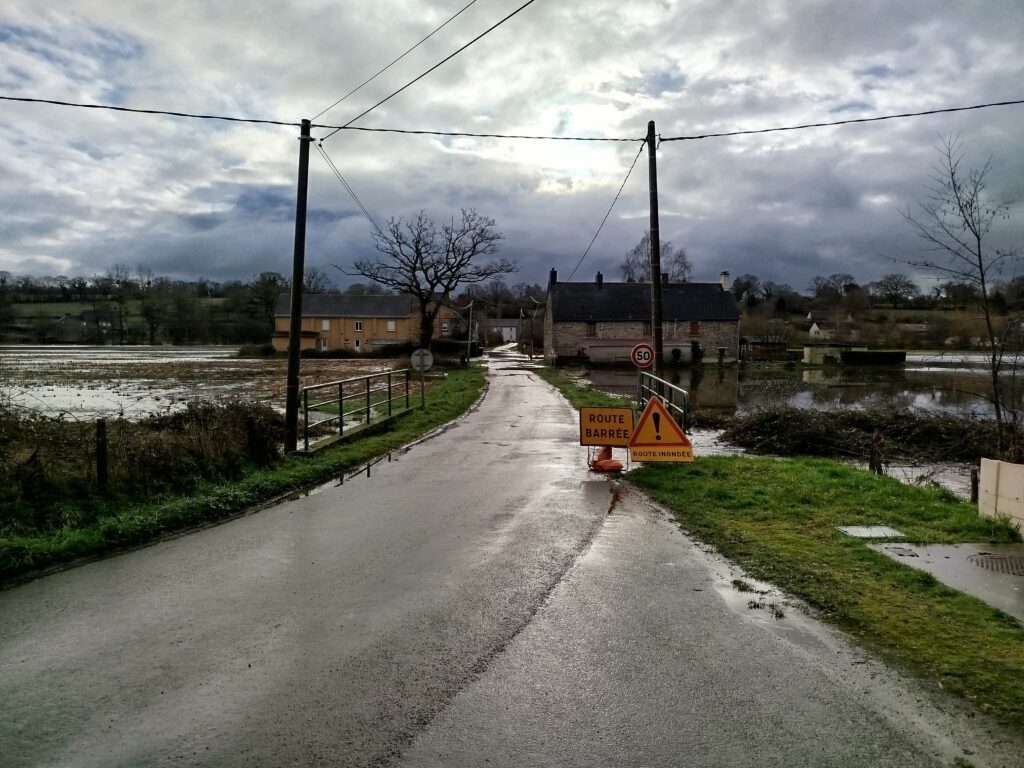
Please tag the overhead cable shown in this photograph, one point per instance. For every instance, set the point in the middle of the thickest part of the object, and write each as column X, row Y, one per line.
column 609, row 213
column 443, row 61
column 463, row 134
column 347, row 186
column 147, row 111
column 841, row 122
column 395, row 61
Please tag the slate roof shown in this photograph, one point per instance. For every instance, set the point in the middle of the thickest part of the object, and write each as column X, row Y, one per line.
column 338, row 305
column 623, row 302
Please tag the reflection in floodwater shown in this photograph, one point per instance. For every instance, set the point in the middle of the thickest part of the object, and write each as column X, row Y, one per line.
column 730, row 390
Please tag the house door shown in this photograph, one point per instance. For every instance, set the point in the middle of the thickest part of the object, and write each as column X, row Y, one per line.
column 357, row 345
column 321, row 345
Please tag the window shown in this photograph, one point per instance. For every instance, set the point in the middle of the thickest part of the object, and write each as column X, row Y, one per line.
column 391, row 326
column 694, row 328
column 325, row 325
column 591, row 328
column 444, row 327
column 359, row 327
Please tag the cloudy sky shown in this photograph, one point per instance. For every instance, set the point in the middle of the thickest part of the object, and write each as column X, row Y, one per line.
column 82, row 189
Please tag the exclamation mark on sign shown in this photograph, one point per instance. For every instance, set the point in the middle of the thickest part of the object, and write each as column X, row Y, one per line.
column 657, row 425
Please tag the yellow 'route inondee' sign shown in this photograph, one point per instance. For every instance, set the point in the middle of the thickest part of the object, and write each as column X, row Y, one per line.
column 606, row 426
column 657, row 437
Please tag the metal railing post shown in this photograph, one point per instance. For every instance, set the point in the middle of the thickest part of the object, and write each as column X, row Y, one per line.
column 341, row 408
column 368, row 399
column 305, row 419
column 408, row 377
column 389, row 393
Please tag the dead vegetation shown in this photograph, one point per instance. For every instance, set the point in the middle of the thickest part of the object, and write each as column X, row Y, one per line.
column 886, row 433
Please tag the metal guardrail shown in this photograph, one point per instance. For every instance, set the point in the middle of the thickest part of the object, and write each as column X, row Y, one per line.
column 376, row 390
column 676, row 399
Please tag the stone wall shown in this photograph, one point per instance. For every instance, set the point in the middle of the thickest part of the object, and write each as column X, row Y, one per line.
column 568, row 340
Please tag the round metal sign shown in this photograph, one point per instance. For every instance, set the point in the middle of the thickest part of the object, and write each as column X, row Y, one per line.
column 642, row 355
column 421, row 360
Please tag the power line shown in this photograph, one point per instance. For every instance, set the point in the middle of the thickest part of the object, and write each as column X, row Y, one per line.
column 385, row 69
column 444, row 60
column 842, row 122
column 462, row 134
column 347, row 186
column 609, row 213
column 147, row 111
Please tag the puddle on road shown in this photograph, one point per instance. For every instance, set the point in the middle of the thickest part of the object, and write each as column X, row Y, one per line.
column 764, row 605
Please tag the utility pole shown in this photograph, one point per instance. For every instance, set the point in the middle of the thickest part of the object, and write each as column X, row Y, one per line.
column 291, row 407
column 469, row 336
column 652, row 164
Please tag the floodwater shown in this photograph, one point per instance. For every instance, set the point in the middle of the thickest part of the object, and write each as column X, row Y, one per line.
column 932, row 383
column 947, row 383
column 134, row 382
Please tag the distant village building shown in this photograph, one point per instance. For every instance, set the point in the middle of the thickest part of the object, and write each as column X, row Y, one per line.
column 332, row 321
column 601, row 321
column 506, row 328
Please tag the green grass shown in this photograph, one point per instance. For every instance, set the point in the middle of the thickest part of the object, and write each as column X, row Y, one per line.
column 580, row 395
column 128, row 525
column 777, row 518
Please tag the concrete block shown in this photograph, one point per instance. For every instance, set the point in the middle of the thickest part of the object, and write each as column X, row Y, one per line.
column 1001, row 490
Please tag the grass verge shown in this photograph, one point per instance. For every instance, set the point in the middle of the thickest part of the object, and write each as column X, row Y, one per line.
column 126, row 525
column 777, row 518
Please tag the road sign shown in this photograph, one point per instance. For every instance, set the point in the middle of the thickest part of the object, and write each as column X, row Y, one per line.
column 606, row 426
column 657, row 437
column 642, row 355
column 421, row 360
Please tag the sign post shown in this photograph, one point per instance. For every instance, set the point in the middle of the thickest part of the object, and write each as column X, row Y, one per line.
column 421, row 360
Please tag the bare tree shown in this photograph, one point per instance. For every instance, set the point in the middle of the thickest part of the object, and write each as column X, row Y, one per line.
column 955, row 220
column 315, row 280
column 636, row 266
column 428, row 263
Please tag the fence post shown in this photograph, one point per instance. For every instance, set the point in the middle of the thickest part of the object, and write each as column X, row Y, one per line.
column 305, row 419
column 974, row 485
column 389, row 393
column 101, row 454
column 367, row 400
column 341, row 408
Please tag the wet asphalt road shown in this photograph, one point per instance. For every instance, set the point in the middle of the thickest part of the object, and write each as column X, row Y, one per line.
column 471, row 603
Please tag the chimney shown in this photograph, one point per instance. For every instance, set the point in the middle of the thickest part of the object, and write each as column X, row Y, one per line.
column 600, row 280
column 725, row 279
column 554, row 277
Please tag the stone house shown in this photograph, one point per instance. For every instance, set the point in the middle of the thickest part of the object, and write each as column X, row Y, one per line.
column 601, row 322
column 356, row 323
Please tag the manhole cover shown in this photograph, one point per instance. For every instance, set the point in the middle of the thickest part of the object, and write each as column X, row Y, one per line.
column 1011, row 564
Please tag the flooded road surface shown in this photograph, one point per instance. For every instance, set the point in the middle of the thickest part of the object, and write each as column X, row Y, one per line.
column 481, row 600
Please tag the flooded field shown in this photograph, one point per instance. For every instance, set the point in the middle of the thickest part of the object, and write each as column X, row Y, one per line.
column 927, row 383
column 89, row 382
column 930, row 383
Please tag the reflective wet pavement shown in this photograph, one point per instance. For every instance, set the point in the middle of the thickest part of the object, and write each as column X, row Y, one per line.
column 990, row 572
column 480, row 598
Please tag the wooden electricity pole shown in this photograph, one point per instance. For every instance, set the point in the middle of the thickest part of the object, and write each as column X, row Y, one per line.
column 291, row 407
column 656, row 325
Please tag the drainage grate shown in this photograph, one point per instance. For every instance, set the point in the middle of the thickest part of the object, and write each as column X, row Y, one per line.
column 1009, row 564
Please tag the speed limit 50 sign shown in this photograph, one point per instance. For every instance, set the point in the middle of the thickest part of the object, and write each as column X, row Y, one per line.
column 642, row 355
